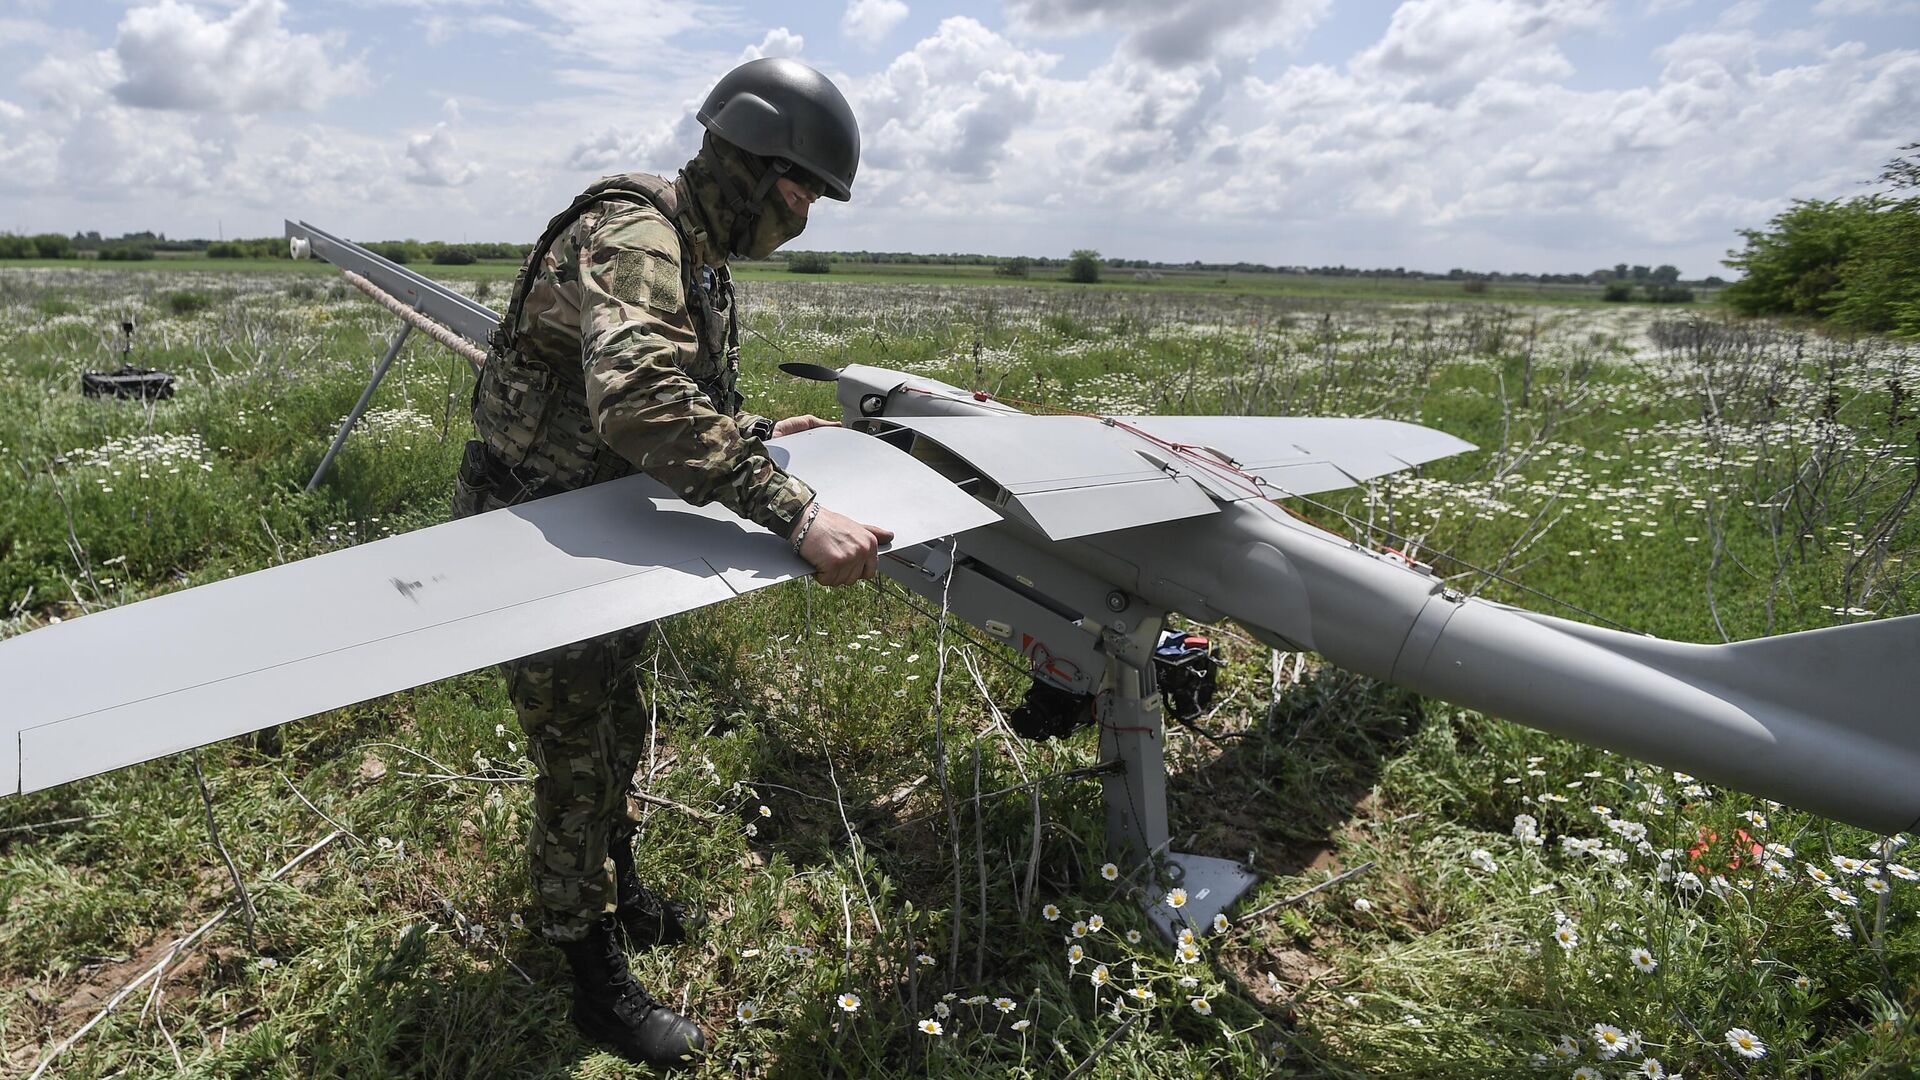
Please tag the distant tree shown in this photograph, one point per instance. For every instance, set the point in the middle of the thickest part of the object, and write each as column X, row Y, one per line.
column 1015, row 267
column 809, row 262
column 1619, row 271
column 454, row 255
column 1666, row 273
column 1618, row 292
column 1084, row 266
column 1662, row 293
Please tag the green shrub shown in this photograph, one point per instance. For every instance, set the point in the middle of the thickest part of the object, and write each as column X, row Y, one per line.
column 454, row 256
column 1015, row 267
column 1084, row 266
column 809, row 262
column 1669, row 294
column 1618, row 292
column 187, row 303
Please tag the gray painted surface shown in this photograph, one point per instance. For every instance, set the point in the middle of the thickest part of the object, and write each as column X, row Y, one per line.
column 223, row 659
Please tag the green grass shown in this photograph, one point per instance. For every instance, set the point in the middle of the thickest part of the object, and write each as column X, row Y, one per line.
column 399, row 951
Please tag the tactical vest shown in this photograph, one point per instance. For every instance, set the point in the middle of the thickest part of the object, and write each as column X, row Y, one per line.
column 533, row 416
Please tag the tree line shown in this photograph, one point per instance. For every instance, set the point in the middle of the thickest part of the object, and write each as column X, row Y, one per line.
column 1852, row 262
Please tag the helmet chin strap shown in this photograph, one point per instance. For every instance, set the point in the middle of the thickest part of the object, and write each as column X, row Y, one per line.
column 746, row 208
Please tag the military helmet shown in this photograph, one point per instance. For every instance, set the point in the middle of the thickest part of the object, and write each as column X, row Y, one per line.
column 784, row 110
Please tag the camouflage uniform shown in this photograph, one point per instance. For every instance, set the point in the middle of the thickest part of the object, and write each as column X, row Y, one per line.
column 622, row 352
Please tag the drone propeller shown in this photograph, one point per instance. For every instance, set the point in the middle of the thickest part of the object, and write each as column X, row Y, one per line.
column 816, row 372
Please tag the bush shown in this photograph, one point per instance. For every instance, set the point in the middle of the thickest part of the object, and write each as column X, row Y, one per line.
column 1670, row 294
column 1015, row 267
column 1793, row 266
column 1618, row 292
column 1084, row 266
column 125, row 253
column 454, row 256
column 1475, row 287
column 809, row 262
column 186, row 303
column 40, row 246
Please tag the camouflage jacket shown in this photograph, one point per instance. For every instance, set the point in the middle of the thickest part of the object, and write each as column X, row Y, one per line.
column 624, row 355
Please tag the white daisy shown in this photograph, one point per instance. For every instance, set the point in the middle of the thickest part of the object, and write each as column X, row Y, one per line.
column 1051, row 912
column 746, row 1012
column 1177, row 899
column 932, row 1027
column 1746, row 1043
column 1110, row 872
column 849, row 1002
column 1611, row 1040
column 1202, row 1006
column 1643, row 960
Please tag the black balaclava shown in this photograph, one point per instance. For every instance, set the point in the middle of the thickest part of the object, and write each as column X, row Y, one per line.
column 734, row 192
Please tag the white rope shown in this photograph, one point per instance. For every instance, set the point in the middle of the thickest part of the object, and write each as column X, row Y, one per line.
column 473, row 353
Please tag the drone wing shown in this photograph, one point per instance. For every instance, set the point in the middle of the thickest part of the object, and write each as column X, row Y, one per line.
column 204, row 664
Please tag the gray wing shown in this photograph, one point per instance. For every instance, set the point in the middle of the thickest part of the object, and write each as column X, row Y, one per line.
column 1071, row 476
column 186, row 669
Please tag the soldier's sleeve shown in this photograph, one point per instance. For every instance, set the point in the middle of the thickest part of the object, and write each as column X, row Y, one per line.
column 635, row 335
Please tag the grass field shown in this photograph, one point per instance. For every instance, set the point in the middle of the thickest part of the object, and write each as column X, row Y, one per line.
column 1528, row 907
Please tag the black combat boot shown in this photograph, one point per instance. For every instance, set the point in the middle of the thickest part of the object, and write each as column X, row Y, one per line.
column 610, row 1007
column 648, row 918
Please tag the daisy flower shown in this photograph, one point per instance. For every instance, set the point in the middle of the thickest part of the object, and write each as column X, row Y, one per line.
column 1876, row 886
column 1177, row 899
column 1202, row 1006
column 1004, row 1004
column 1189, row 954
column 1051, row 913
column 1644, row 960
column 746, row 1012
column 1022, row 1025
column 1080, row 928
column 1780, row 851
column 1566, row 936
column 1220, row 923
column 1802, row 983
column 1186, row 935
column 1099, row 975
column 1819, row 876
column 1904, row 873
column 1075, row 954
column 1566, row 1047
column 1651, row 1069
column 1842, row 896
column 1095, row 924
column 1140, row 993
column 931, row 1027
column 1110, row 872
column 1586, row 1072
column 977, row 1000
column 1746, row 1043
column 1133, row 937
column 1610, row 1039
column 924, row 960
column 1362, row 904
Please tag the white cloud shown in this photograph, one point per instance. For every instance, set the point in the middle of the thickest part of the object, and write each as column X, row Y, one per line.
column 1175, row 33
column 868, row 21
column 779, row 41
column 1866, row 7
column 171, row 56
column 435, row 157
column 1440, row 49
column 950, row 105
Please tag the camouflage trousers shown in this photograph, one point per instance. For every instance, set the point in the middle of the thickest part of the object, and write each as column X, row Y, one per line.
column 579, row 705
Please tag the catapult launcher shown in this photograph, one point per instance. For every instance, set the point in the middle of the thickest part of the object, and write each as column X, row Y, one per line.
column 1069, row 539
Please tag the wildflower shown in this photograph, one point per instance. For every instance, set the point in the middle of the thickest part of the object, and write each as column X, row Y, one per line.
column 1610, row 1039
column 1746, row 1043
column 1842, row 897
column 931, row 1027
column 1775, row 869
column 752, row 829
column 1075, row 954
column 1651, row 1069
column 924, row 960
column 1567, row 937
column 1819, row 876
column 764, row 811
column 500, row 730
column 1099, row 975
column 1140, row 993
column 1904, row 873
column 1188, row 982
column 1110, row 872
column 1543, row 887
column 1177, row 899
column 1004, row 1004
column 1780, row 851
column 977, row 1000
column 1644, row 960
column 1051, row 913
column 1133, row 937
column 1586, row 1072
column 746, row 1012
column 1526, row 829
column 797, row 952
column 1095, row 924
column 1802, row 983
column 1755, row 818
column 1600, row 811
column 849, row 1002
column 1220, row 923
column 1482, row 859
column 1080, row 928
column 1201, row 1005
column 1022, row 1025
column 1189, row 953
column 1362, row 905
column 1566, row 1047
column 1876, row 886
column 942, row 1010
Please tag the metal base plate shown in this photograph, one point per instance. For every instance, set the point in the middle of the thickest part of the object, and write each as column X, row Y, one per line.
column 1212, row 885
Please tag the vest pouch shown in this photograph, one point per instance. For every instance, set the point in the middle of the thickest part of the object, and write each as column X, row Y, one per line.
column 511, row 404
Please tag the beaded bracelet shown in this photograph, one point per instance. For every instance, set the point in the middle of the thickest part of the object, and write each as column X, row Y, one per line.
column 800, row 533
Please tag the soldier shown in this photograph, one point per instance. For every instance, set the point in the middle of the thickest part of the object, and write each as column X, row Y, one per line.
column 619, row 352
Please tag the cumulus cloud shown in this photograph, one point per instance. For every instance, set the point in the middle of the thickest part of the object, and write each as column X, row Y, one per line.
column 1439, row 49
column 434, row 156
column 1173, row 33
column 950, row 105
column 171, row 56
column 779, row 41
column 868, row 21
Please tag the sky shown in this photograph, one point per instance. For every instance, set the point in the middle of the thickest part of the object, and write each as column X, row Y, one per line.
column 1515, row 135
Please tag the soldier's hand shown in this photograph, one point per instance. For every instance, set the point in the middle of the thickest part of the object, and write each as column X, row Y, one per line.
column 841, row 549
column 795, row 424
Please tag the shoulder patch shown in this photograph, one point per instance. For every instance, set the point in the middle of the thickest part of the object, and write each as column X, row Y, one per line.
column 636, row 253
